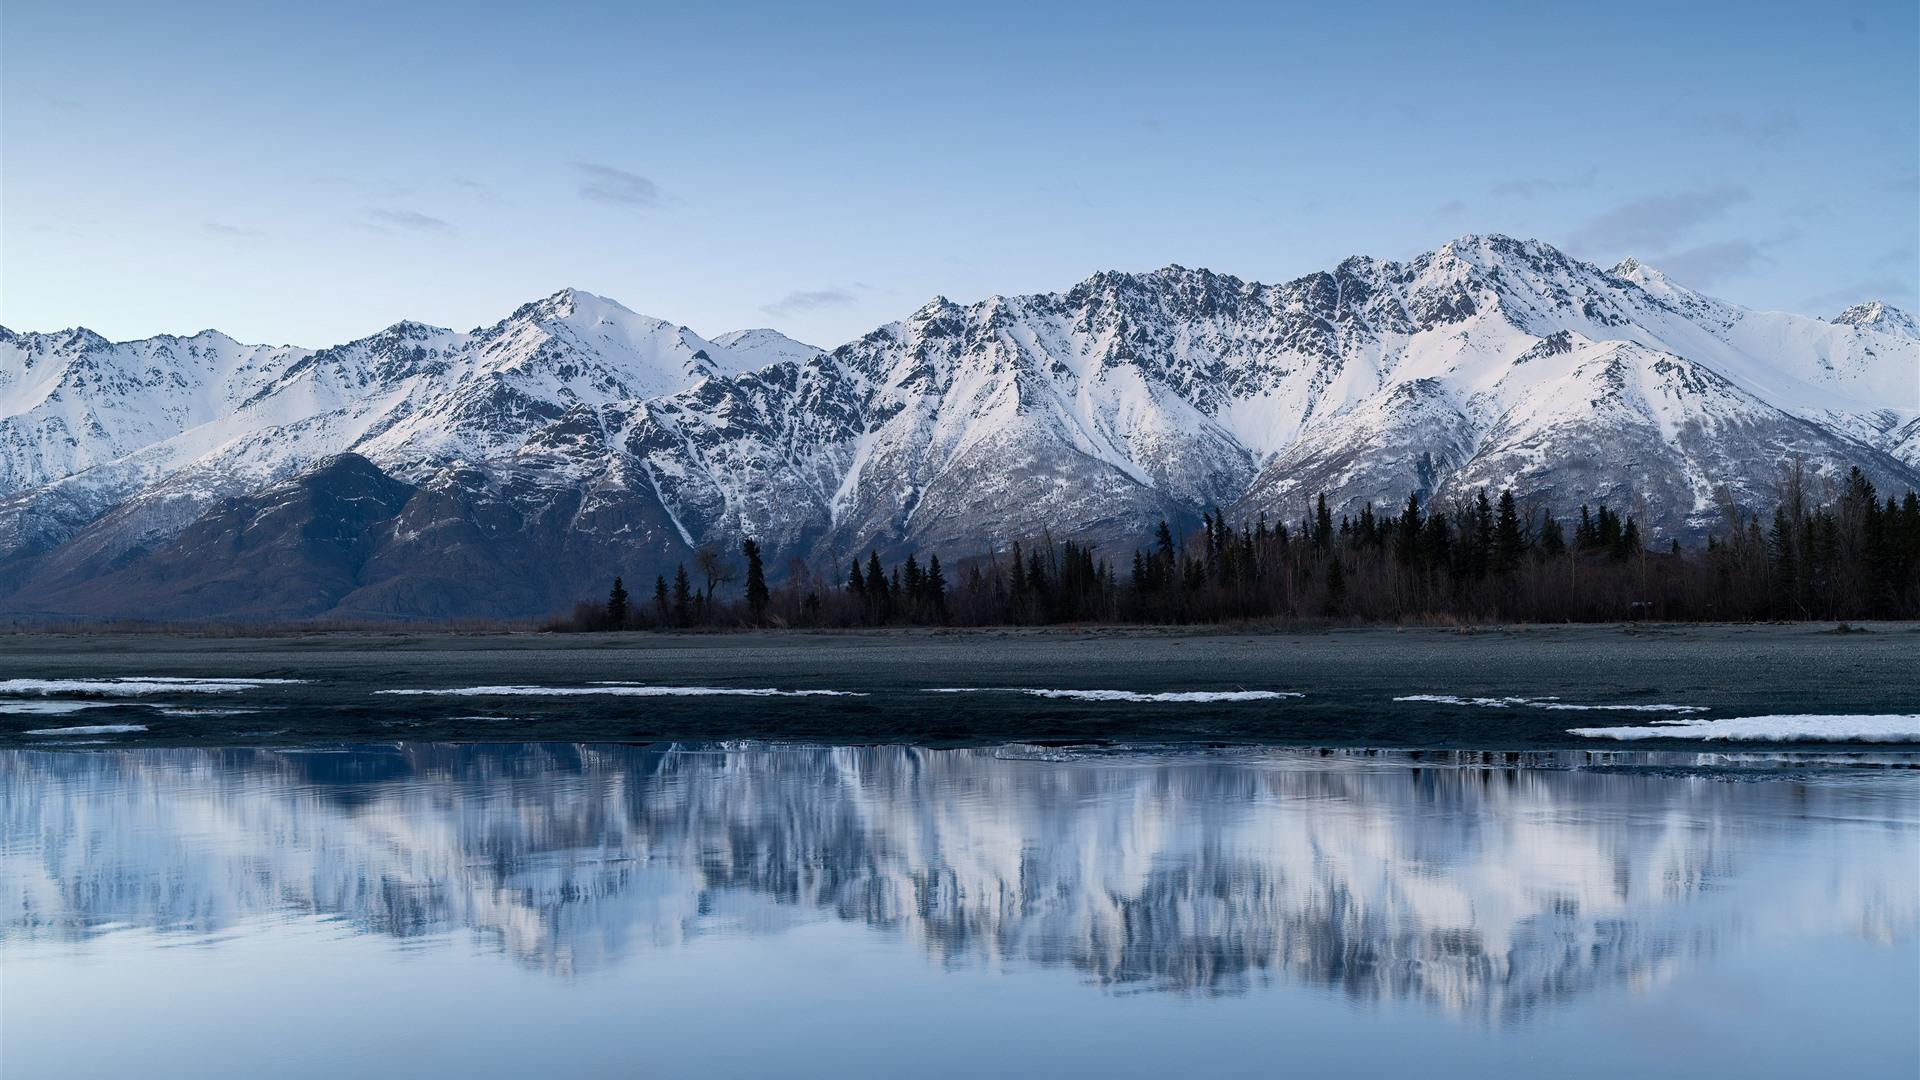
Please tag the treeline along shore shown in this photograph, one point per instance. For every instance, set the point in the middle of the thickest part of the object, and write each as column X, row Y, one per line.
column 1850, row 555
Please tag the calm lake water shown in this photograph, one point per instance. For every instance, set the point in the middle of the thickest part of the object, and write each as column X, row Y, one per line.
column 757, row 910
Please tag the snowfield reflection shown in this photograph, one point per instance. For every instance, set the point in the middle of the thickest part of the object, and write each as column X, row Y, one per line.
column 1484, row 888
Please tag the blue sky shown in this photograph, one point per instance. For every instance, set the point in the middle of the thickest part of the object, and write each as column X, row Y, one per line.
column 310, row 173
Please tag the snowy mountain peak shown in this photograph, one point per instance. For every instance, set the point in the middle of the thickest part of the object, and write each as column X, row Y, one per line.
column 1483, row 249
column 1631, row 269
column 575, row 306
column 72, row 339
column 760, row 347
column 1657, row 284
column 408, row 329
column 599, row 348
column 1881, row 316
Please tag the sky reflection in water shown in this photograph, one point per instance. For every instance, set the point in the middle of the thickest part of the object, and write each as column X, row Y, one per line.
column 764, row 910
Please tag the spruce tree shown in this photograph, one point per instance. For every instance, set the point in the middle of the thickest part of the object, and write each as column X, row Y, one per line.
column 1038, row 585
column 1509, row 542
column 1406, row 534
column 1482, row 551
column 756, row 582
column 936, row 590
column 878, row 598
column 913, row 589
column 682, row 597
column 1608, row 527
column 1017, row 597
column 661, row 611
column 617, row 606
column 1336, row 587
column 1553, row 540
column 1629, row 540
column 1436, row 541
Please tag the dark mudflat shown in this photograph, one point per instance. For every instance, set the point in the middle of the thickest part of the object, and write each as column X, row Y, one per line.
column 1348, row 678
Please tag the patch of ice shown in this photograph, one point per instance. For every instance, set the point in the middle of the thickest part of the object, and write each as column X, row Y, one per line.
column 90, row 729
column 1545, row 703
column 193, row 679
column 49, row 708
column 616, row 690
column 1123, row 695
column 1800, row 727
column 165, row 710
column 138, row 685
column 1027, row 752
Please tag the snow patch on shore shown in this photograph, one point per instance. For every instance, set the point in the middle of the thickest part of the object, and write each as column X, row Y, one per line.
column 1545, row 703
column 616, row 690
column 1793, row 727
column 1124, row 695
column 144, row 684
column 49, row 708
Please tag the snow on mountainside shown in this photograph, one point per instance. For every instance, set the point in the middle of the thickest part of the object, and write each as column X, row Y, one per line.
column 412, row 398
column 575, row 438
column 71, row 400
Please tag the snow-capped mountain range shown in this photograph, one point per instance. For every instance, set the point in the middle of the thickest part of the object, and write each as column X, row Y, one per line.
column 576, row 439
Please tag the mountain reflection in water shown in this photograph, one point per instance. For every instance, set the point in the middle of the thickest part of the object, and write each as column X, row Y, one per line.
column 1486, row 890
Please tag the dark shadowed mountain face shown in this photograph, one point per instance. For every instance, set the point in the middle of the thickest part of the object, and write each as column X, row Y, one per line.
column 293, row 550
column 573, row 440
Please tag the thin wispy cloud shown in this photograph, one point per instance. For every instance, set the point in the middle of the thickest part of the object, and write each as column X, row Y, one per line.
column 1710, row 264
column 604, row 183
column 55, row 102
column 411, row 220
column 1901, row 258
column 1753, row 127
column 475, row 186
column 1893, row 290
column 809, row 300
column 1657, row 222
column 221, row 228
column 1534, row 187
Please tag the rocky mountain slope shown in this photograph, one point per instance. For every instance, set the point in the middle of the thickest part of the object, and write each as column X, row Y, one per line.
column 576, row 439
column 1881, row 316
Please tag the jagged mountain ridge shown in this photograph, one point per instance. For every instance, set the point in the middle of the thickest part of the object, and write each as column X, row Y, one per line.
column 1881, row 316
column 579, row 439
